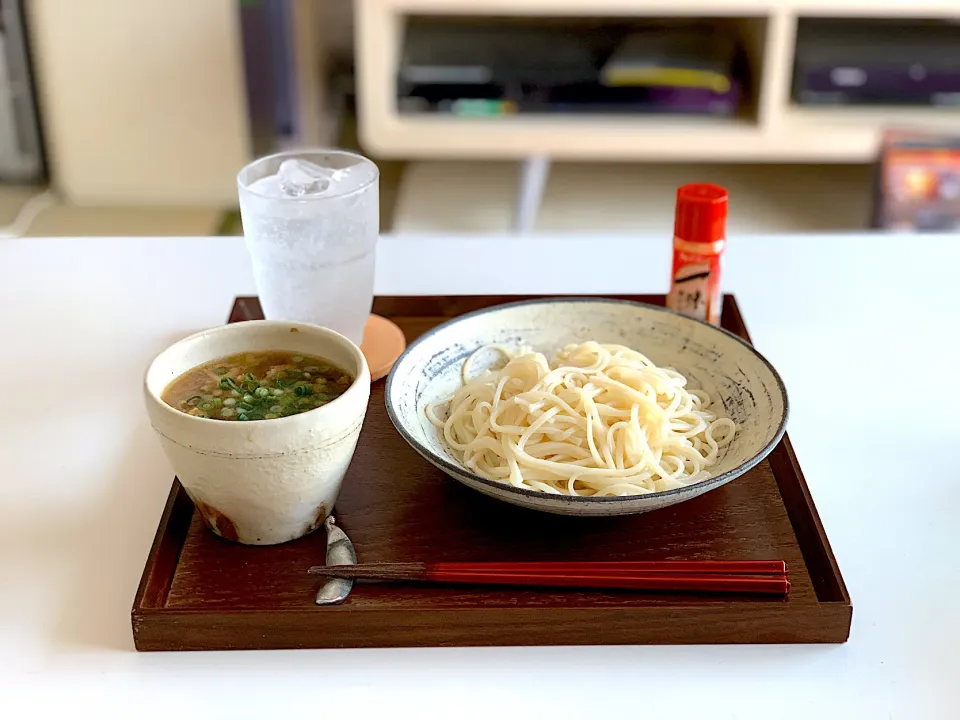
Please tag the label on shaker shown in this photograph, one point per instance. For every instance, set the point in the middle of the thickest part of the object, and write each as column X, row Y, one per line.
column 695, row 283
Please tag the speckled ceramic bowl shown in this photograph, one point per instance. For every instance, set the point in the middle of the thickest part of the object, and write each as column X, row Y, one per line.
column 712, row 359
column 266, row 481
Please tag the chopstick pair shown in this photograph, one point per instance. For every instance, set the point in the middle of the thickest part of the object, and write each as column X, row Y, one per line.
column 767, row 577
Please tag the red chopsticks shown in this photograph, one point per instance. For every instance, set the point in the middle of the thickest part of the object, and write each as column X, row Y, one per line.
column 767, row 577
column 692, row 567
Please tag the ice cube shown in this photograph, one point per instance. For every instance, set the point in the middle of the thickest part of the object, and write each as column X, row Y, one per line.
column 301, row 178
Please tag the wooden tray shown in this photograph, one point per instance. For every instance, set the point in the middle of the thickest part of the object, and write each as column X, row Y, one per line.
column 199, row 592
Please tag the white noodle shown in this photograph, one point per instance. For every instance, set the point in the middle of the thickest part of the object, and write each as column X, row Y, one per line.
column 597, row 420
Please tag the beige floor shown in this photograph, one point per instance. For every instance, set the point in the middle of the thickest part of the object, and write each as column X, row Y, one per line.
column 430, row 197
column 12, row 199
column 479, row 197
column 125, row 221
column 71, row 220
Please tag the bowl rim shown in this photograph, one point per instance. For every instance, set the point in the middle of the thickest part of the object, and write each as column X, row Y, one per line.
column 700, row 487
column 242, row 328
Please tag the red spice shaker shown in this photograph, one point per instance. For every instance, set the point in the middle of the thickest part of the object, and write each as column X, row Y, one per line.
column 699, row 239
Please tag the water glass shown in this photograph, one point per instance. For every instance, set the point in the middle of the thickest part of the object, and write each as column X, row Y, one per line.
column 311, row 220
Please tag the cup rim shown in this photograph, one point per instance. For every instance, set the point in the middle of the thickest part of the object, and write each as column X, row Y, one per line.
column 240, row 327
column 246, row 187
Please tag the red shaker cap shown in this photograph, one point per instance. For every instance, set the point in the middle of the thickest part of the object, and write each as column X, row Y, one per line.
column 701, row 213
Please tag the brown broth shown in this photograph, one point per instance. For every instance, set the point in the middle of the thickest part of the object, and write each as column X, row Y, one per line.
column 261, row 385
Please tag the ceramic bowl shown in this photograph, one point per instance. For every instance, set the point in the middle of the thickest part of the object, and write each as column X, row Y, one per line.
column 261, row 482
column 712, row 359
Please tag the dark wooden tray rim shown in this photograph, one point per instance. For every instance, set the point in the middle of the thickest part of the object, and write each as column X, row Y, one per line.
column 158, row 627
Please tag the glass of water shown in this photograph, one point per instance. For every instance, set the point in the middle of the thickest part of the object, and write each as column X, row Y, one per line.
column 311, row 220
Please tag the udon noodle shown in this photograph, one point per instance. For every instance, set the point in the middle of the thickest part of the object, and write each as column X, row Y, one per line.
column 595, row 420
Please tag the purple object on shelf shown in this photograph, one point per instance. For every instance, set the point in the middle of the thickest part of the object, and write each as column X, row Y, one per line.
column 651, row 100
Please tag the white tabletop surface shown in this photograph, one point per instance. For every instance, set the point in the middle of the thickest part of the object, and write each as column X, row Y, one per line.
column 865, row 331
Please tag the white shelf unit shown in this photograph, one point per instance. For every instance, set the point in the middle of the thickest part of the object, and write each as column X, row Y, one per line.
column 776, row 131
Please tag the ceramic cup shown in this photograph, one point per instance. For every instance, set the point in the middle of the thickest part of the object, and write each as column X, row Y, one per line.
column 261, row 482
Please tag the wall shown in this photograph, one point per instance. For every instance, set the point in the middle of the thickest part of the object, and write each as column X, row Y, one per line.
column 142, row 102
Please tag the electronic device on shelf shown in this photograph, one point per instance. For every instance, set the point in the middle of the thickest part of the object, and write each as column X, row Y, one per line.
column 505, row 69
column 690, row 68
column 839, row 62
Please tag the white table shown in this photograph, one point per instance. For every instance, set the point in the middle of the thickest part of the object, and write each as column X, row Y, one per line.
column 865, row 330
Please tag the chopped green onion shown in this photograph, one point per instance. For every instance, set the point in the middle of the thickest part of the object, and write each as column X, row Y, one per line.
column 231, row 392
